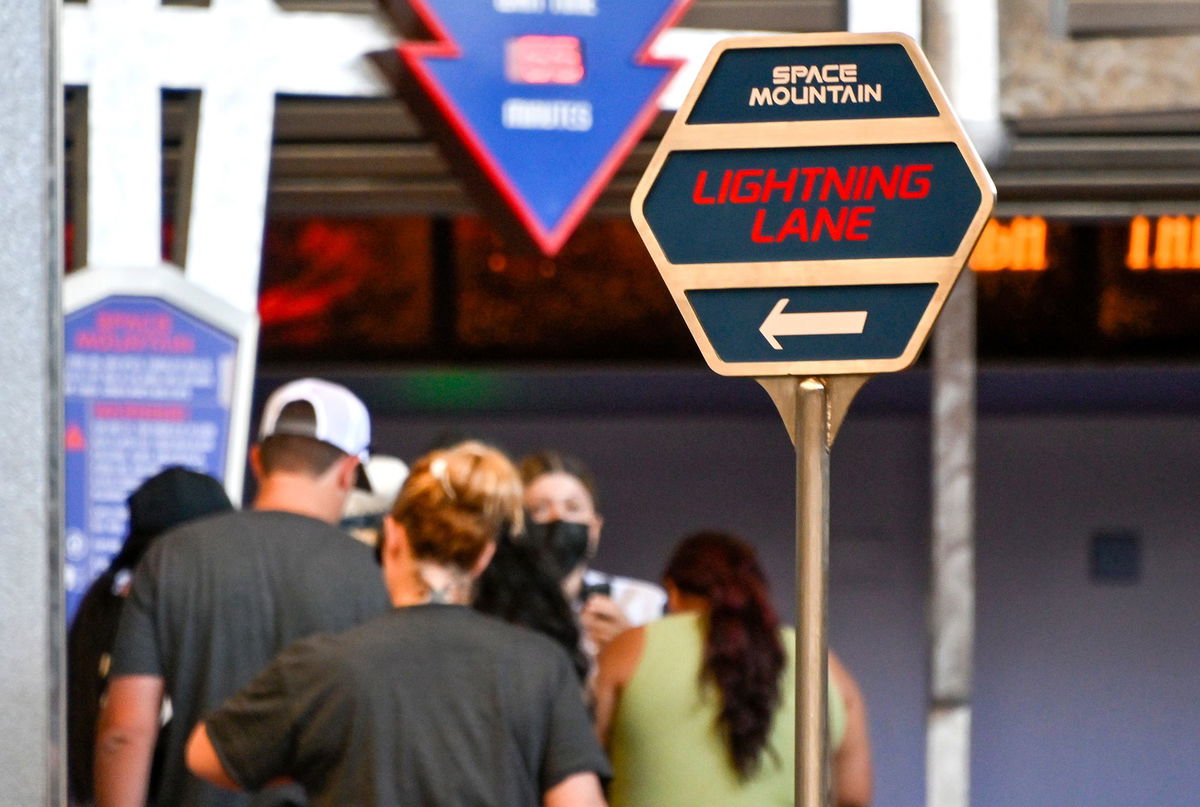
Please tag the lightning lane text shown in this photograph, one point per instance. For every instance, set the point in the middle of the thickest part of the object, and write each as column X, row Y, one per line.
column 780, row 194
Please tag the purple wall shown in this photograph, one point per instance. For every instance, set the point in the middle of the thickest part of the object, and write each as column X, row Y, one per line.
column 1087, row 693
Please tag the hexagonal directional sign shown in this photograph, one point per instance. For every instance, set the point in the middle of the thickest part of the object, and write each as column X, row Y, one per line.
column 812, row 204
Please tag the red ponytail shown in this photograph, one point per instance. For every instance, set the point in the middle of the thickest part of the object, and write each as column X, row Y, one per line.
column 743, row 654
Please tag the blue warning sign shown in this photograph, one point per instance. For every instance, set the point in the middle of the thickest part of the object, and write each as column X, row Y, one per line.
column 148, row 385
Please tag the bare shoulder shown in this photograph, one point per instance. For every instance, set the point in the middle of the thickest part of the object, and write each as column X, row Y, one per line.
column 619, row 659
column 844, row 680
column 615, row 668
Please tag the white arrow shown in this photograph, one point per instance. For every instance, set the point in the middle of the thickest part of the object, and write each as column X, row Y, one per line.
column 806, row 323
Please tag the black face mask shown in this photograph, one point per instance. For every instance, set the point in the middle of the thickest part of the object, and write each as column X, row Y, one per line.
column 564, row 543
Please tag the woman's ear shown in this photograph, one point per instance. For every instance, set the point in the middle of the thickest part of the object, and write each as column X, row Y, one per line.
column 394, row 540
column 485, row 557
column 594, row 527
column 673, row 597
column 256, row 466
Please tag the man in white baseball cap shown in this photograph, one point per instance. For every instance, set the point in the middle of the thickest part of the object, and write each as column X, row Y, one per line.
column 214, row 601
column 322, row 411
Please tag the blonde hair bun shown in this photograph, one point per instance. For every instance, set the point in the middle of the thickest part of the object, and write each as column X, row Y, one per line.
column 457, row 500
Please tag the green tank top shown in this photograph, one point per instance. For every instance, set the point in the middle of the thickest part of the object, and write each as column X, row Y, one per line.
column 665, row 744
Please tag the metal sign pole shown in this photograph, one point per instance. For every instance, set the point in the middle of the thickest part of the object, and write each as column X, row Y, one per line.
column 813, row 440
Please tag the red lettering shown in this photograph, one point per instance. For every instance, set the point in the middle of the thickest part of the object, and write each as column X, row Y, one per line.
column 835, row 229
column 754, row 189
column 859, row 221
column 108, row 321
column 810, row 176
column 697, row 197
column 880, row 181
column 756, row 234
column 833, row 179
column 137, row 411
column 849, row 223
column 862, row 180
column 773, row 183
column 915, row 187
column 796, row 224
column 723, row 194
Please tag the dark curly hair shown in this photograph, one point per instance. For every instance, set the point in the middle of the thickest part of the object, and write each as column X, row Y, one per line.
column 743, row 652
column 519, row 587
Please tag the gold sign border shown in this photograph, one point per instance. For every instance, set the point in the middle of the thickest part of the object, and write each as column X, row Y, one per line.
column 681, row 136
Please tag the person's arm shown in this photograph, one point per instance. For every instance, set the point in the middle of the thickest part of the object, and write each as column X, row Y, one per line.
column 577, row 790
column 602, row 620
column 125, row 737
column 203, row 761
column 250, row 741
column 852, row 772
column 614, row 669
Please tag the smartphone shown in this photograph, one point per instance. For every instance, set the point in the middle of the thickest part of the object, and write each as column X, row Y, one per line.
column 588, row 590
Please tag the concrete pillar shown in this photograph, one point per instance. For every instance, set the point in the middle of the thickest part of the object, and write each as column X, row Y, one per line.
column 31, row 610
column 962, row 43
column 952, row 547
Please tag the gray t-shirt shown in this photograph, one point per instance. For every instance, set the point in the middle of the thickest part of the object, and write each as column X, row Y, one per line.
column 215, row 600
column 428, row 706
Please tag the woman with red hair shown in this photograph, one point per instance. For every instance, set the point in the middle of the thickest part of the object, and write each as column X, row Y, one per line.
column 699, row 707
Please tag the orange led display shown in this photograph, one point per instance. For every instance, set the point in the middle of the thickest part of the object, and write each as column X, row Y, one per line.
column 1167, row 243
column 1018, row 246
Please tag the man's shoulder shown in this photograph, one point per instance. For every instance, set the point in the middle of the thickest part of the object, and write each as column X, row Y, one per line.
column 216, row 541
column 484, row 630
column 214, row 521
column 538, row 655
column 199, row 536
column 416, row 628
column 299, row 527
column 200, row 530
column 239, row 526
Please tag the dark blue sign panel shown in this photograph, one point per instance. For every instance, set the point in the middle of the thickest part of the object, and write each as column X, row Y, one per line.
column 811, row 323
column 548, row 96
column 835, row 82
column 902, row 200
column 147, row 386
column 794, row 241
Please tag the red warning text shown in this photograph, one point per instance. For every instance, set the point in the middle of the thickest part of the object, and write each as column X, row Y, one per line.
column 140, row 411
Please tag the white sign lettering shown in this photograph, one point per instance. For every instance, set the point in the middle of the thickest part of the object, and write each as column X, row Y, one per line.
column 815, row 84
column 534, row 113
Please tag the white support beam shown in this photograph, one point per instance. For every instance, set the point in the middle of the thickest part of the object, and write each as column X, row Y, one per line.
column 238, row 54
column 962, row 40
column 875, row 16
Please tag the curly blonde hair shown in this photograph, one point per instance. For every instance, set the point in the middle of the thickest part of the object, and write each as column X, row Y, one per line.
column 458, row 500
